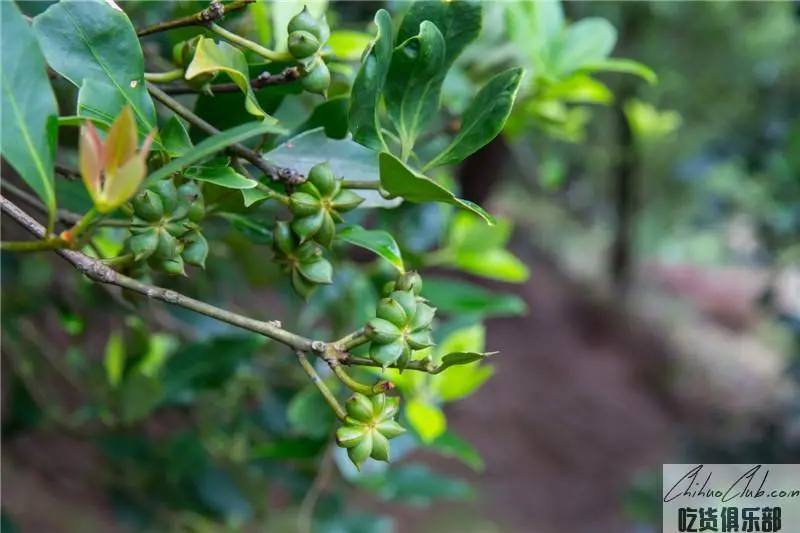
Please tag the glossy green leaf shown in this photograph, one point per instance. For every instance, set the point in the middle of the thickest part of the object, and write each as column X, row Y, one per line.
column 346, row 158
column 457, row 297
column 175, row 138
column 459, row 22
column 222, row 57
column 330, row 115
column 399, row 180
column 29, row 108
column 448, row 444
column 625, row 66
column 378, row 241
column 209, row 147
column 114, row 360
column 484, row 118
column 219, row 172
column 464, row 358
column 427, row 420
column 414, row 83
column 495, row 263
column 349, row 45
column 585, row 42
column 227, row 110
column 364, row 119
column 252, row 196
column 94, row 40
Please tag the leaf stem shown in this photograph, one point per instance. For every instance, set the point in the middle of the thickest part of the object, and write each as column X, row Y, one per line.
column 361, row 184
column 164, row 77
column 275, row 172
column 215, row 11
column 49, row 244
column 369, row 390
column 247, row 44
column 265, row 79
column 282, row 198
column 351, row 340
column 341, row 414
column 421, row 365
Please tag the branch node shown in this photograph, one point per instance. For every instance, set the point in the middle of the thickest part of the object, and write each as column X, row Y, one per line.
column 318, row 346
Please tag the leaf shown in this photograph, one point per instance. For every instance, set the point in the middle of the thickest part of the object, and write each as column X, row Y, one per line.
column 378, row 241
column 309, row 414
column 94, row 40
column 346, row 158
column 364, row 119
column 227, row 110
column 459, row 381
column 251, row 196
column 457, row 297
column 466, row 339
column 139, row 396
column 414, row 83
column 77, row 120
column 464, row 358
column 331, row 115
column 579, row 89
column 459, row 22
column 449, row 444
column 212, row 57
column 219, row 172
column 483, row 119
column 625, row 66
column 400, row 180
column 495, row 263
column 349, row 45
column 209, row 147
column 585, row 42
column 175, row 138
column 467, row 234
column 114, row 361
column 258, row 233
column 427, row 420
column 29, row 108
column 418, row 484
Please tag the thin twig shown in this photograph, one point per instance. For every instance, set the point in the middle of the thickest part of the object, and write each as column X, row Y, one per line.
column 320, row 385
column 97, row 271
column 66, row 172
column 275, row 172
column 265, row 79
column 215, row 11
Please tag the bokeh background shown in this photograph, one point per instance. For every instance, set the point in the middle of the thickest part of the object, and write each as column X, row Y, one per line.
column 659, row 319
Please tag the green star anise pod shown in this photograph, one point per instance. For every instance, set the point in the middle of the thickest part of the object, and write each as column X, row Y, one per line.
column 303, row 262
column 402, row 324
column 368, row 427
column 318, row 203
